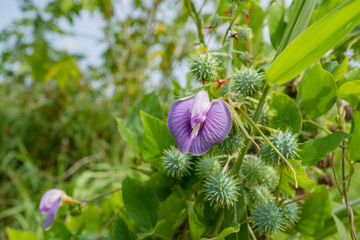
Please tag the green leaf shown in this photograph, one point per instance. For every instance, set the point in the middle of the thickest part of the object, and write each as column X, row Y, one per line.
column 161, row 184
column 299, row 14
column 341, row 70
column 325, row 8
column 312, row 151
column 314, row 42
column 149, row 104
column 57, row 231
column 141, row 203
column 352, row 75
column 284, row 113
column 275, row 20
column 350, row 92
column 205, row 213
column 14, row 234
column 235, row 215
column 354, row 142
column 169, row 211
column 156, row 137
column 196, row 227
column 120, row 230
column 330, row 66
column 314, row 213
column 129, row 137
column 224, row 233
column 343, row 233
column 302, row 178
column 318, row 90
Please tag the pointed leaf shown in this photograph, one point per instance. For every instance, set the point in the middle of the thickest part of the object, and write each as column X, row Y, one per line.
column 318, row 90
column 314, row 42
column 312, row 151
column 284, row 113
column 129, row 137
column 350, row 92
column 156, row 137
column 141, row 203
column 354, row 142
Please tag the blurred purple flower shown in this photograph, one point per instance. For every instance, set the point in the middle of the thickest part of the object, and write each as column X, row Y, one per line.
column 197, row 124
column 50, row 203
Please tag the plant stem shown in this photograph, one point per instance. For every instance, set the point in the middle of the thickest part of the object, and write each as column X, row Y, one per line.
column 108, row 223
column 231, row 46
column 317, row 125
column 85, row 202
column 321, row 192
column 203, row 86
column 190, row 5
column 345, row 196
column 251, row 233
column 256, row 116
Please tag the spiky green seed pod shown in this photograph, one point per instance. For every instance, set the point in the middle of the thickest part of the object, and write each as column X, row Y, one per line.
column 207, row 167
column 247, row 81
column 231, row 143
column 285, row 142
column 221, row 190
column 215, row 21
column 271, row 177
column 244, row 33
column 177, row 164
column 204, row 67
column 258, row 195
column 253, row 170
column 290, row 213
column 267, row 218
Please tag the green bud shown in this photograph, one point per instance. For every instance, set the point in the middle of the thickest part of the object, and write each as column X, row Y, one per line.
column 222, row 190
column 247, row 81
column 253, row 170
column 207, row 167
column 204, row 67
column 215, row 21
column 258, row 195
column 177, row 164
column 267, row 218
column 285, row 142
column 244, row 33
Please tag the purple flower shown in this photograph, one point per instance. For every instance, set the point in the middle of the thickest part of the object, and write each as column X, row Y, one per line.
column 50, row 203
column 197, row 124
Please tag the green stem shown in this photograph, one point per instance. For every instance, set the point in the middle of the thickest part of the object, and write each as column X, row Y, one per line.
column 231, row 46
column 321, row 192
column 85, row 202
column 203, row 86
column 256, row 117
column 317, row 125
column 251, row 233
column 253, row 124
column 196, row 17
column 269, row 129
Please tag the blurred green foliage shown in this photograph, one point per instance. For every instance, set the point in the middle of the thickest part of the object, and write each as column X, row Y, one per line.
column 57, row 120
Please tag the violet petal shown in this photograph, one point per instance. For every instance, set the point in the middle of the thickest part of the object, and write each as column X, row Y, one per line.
column 215, row 128
column 51, row 214
column 199, row 108
column 179, row 122
column 48, row 199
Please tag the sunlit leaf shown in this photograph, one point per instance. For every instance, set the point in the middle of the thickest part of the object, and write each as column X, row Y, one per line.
column 314, row 42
